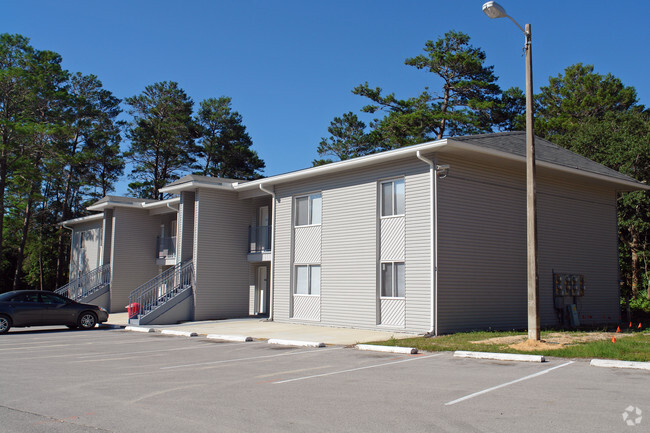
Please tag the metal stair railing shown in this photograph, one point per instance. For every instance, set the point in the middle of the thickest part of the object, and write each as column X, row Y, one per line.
column 160, row 289
column 86, row 284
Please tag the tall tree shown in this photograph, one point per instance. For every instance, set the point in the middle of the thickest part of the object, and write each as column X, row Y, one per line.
column 597, row 116
column 90, row 132
column 577, row 96
column 48, row 98
column 16, row 61
column 225, row 146
column 162, row 136
column 467, row 95
column 348, row 139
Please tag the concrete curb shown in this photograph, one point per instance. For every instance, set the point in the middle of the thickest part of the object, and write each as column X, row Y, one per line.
column 109, row 326
column 229, row 337
column 178, row 333
column 138, row 329
column 613, row 363
column 499, row 356
column 390, row 349
column 295, row 343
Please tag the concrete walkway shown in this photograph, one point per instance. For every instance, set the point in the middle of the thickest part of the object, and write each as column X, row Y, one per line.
column 261, row 329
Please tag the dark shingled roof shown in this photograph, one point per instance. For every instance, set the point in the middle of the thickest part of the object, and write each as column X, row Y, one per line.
column 515, row 143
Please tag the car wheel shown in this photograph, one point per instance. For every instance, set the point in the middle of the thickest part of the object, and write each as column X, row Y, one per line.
column 87, row 320
column 5, row 324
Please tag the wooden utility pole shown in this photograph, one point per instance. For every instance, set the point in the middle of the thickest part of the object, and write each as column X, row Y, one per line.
column 531, row 200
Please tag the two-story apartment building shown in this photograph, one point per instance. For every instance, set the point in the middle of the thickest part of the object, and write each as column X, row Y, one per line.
column 427, row 238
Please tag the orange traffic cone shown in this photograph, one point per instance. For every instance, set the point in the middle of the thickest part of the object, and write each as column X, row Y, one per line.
column 614, row 339
column 639, row 325
column 630, row 324
column 618, row 329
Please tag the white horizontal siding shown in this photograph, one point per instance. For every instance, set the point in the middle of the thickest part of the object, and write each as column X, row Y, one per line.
column 350, row 249
column 482, row 245
column 220, row 255
column 133, row 260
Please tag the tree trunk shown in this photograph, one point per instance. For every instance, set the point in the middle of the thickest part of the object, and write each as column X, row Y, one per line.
column 636, row 269
column 3, row 185
column 23, row 240
column 65, row 215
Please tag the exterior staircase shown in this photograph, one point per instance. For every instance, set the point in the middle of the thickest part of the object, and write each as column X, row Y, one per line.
column 89, row 286
column 154, row 302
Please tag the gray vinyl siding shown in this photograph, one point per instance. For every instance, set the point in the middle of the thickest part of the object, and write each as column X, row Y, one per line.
column 107, row 236
column 220, row 255
column 350, row 248
column 83, row 260
column 578, row 234
column 482, row 246
column 185, row 240
column 133, row 253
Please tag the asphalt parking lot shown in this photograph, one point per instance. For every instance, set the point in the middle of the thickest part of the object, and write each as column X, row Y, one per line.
column 57, row 380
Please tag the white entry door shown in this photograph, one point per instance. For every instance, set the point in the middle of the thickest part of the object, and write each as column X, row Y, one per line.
column 263, row 216
column 262, row 290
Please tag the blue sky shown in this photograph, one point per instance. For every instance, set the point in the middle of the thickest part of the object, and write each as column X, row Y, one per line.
column 290, row 66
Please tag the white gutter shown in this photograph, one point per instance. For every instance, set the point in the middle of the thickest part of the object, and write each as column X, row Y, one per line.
column 81, row 220
column 433, row 212
column 161, row 203
column 272, row 271
column 197, row 184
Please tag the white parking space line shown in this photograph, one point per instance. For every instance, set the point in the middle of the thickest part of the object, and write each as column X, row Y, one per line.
column 357, row 369
column 129, row 354
column 485, row 391
column 251, row 358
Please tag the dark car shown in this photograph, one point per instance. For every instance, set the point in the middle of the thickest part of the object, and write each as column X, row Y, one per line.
column 38, row 308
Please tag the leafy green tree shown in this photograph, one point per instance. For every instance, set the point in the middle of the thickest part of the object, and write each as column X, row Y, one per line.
column 225, row 146
column 597, row 116
column 162, row 136
column 348, row 139
column 16, row 61
column 88, row 156
column 509, row 113
column 577, row 96
column 468, row 93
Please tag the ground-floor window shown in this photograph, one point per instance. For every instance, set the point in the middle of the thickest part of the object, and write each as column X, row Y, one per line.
column 307, row 280
column 392, row 280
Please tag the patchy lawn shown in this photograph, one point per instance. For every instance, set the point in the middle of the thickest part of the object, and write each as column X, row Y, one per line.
column 628, row 346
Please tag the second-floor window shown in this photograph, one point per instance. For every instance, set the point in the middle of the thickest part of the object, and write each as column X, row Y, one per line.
column 308, row 209
column 392, row 197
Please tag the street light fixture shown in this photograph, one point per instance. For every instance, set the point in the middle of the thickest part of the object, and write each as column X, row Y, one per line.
column 494, row 10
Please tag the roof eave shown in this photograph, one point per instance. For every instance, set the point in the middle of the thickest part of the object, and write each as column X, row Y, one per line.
column 195, row 184
column 82, row 220
column 342, row 165
column 628, row 185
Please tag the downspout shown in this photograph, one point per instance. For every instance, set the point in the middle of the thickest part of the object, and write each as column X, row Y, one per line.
column 433, row 213
column 272, row 250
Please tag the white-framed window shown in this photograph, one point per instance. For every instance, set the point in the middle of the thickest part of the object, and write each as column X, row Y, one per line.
column 308, row 209
column 392, row 197
column 307, row 280
column 393, row 280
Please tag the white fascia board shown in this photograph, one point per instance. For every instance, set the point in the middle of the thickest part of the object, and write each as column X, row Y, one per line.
column 194, row 184
column 162, row 203
column 629, row 185
column 82, row 220
column 113, row 204
column 343, row 165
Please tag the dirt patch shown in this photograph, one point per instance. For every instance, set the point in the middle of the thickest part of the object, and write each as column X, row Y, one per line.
column 556, row 340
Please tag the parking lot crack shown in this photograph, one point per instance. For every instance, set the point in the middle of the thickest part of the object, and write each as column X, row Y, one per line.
column 49, row 419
